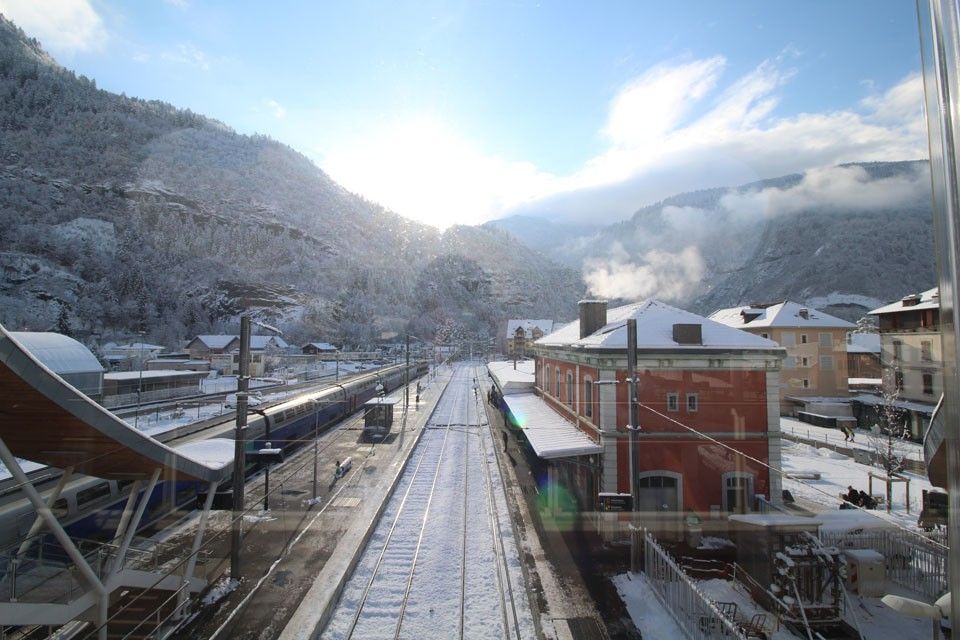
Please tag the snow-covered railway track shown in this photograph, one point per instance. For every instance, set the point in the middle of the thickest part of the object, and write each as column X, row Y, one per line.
column 436, row 565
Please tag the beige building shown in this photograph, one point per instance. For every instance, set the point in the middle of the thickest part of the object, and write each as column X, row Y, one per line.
column 910, row 356
column 521, row 334
column 816, row 345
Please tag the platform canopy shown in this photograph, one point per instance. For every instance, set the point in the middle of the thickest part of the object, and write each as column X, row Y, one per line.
column 550, row 434
column 45, row 420
column 510, row 380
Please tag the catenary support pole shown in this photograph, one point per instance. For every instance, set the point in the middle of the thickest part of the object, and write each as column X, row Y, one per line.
column 239, row 452
column 632, row 429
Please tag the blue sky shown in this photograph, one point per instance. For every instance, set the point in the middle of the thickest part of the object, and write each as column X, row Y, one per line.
column 465, row 111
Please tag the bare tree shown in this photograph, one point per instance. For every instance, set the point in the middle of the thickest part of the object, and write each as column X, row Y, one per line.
column 888, row 437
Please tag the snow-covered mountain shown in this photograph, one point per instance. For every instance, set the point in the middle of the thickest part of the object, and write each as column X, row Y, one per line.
column 842, row 239
column 122, row 215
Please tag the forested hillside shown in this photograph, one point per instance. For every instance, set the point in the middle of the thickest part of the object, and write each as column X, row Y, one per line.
column 122, row 215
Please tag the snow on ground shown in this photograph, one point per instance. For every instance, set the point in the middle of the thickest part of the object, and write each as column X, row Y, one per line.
column 792, row 426
column 837, row 473
column 648, row 615
column 437, row 536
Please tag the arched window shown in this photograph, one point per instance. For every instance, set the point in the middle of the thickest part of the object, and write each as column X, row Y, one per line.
column 558, row 384
column 569, row 389
column 659, row 491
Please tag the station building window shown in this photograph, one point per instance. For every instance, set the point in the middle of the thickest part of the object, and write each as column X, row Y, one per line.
column 673, row 402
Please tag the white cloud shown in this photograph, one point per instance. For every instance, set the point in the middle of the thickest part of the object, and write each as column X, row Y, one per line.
column 842, row 188
column 675, row 128
column 186, row 53
column 660, row 274
column 62, row 26
column 653, row 104
column 180, row 4
column 277, row 109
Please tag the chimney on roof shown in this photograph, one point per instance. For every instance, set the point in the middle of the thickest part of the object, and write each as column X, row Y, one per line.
column 688, row 333
column 804, row 313
column 593, row 316
column 911, row 300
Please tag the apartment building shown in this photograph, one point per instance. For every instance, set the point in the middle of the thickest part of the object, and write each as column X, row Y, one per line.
column 816, row 348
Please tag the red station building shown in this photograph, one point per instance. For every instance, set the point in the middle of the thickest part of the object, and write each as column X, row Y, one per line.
column 695, row 376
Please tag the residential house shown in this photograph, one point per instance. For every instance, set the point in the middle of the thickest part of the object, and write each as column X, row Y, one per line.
column 696, row 378
column 318, row 348
column 129, row 357
column 815, row 367
column 521, row 334
column 863, row 356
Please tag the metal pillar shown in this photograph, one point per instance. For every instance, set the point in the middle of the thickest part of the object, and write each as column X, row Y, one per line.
column 195, row 549
column 135, row 522
column 239, row 453
column 103, row 599
column 632, row 429
column 38, row 521
column 940, row 48
column 316, row 438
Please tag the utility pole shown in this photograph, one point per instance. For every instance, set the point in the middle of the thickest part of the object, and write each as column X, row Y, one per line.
column 632, row 429
column 239, row 453
column 406, row 381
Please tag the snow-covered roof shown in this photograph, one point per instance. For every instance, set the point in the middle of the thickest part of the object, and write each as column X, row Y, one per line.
column 550, row 435
column 153, row 374
column 784, row 314
column 874, row 401
column 137, row 346
column 846, row 520
column 59, row 353
column 320, row 346
column 216, row 453
column 929, row 299
column 546, row 326
column 655, row 321
column 775, row 520
column 510, row 380
column 218, row 341
column 259, row 343
column 863, row 343
column 865, row 381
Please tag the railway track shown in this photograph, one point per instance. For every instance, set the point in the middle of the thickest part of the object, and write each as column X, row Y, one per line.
column 436, row 565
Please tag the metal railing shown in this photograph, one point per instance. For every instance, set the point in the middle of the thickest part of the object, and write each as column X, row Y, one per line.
column 696, row 614
column 46, row 574
column 913, row 561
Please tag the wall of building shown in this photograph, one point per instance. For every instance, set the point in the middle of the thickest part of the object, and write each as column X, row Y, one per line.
column 919, row 353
